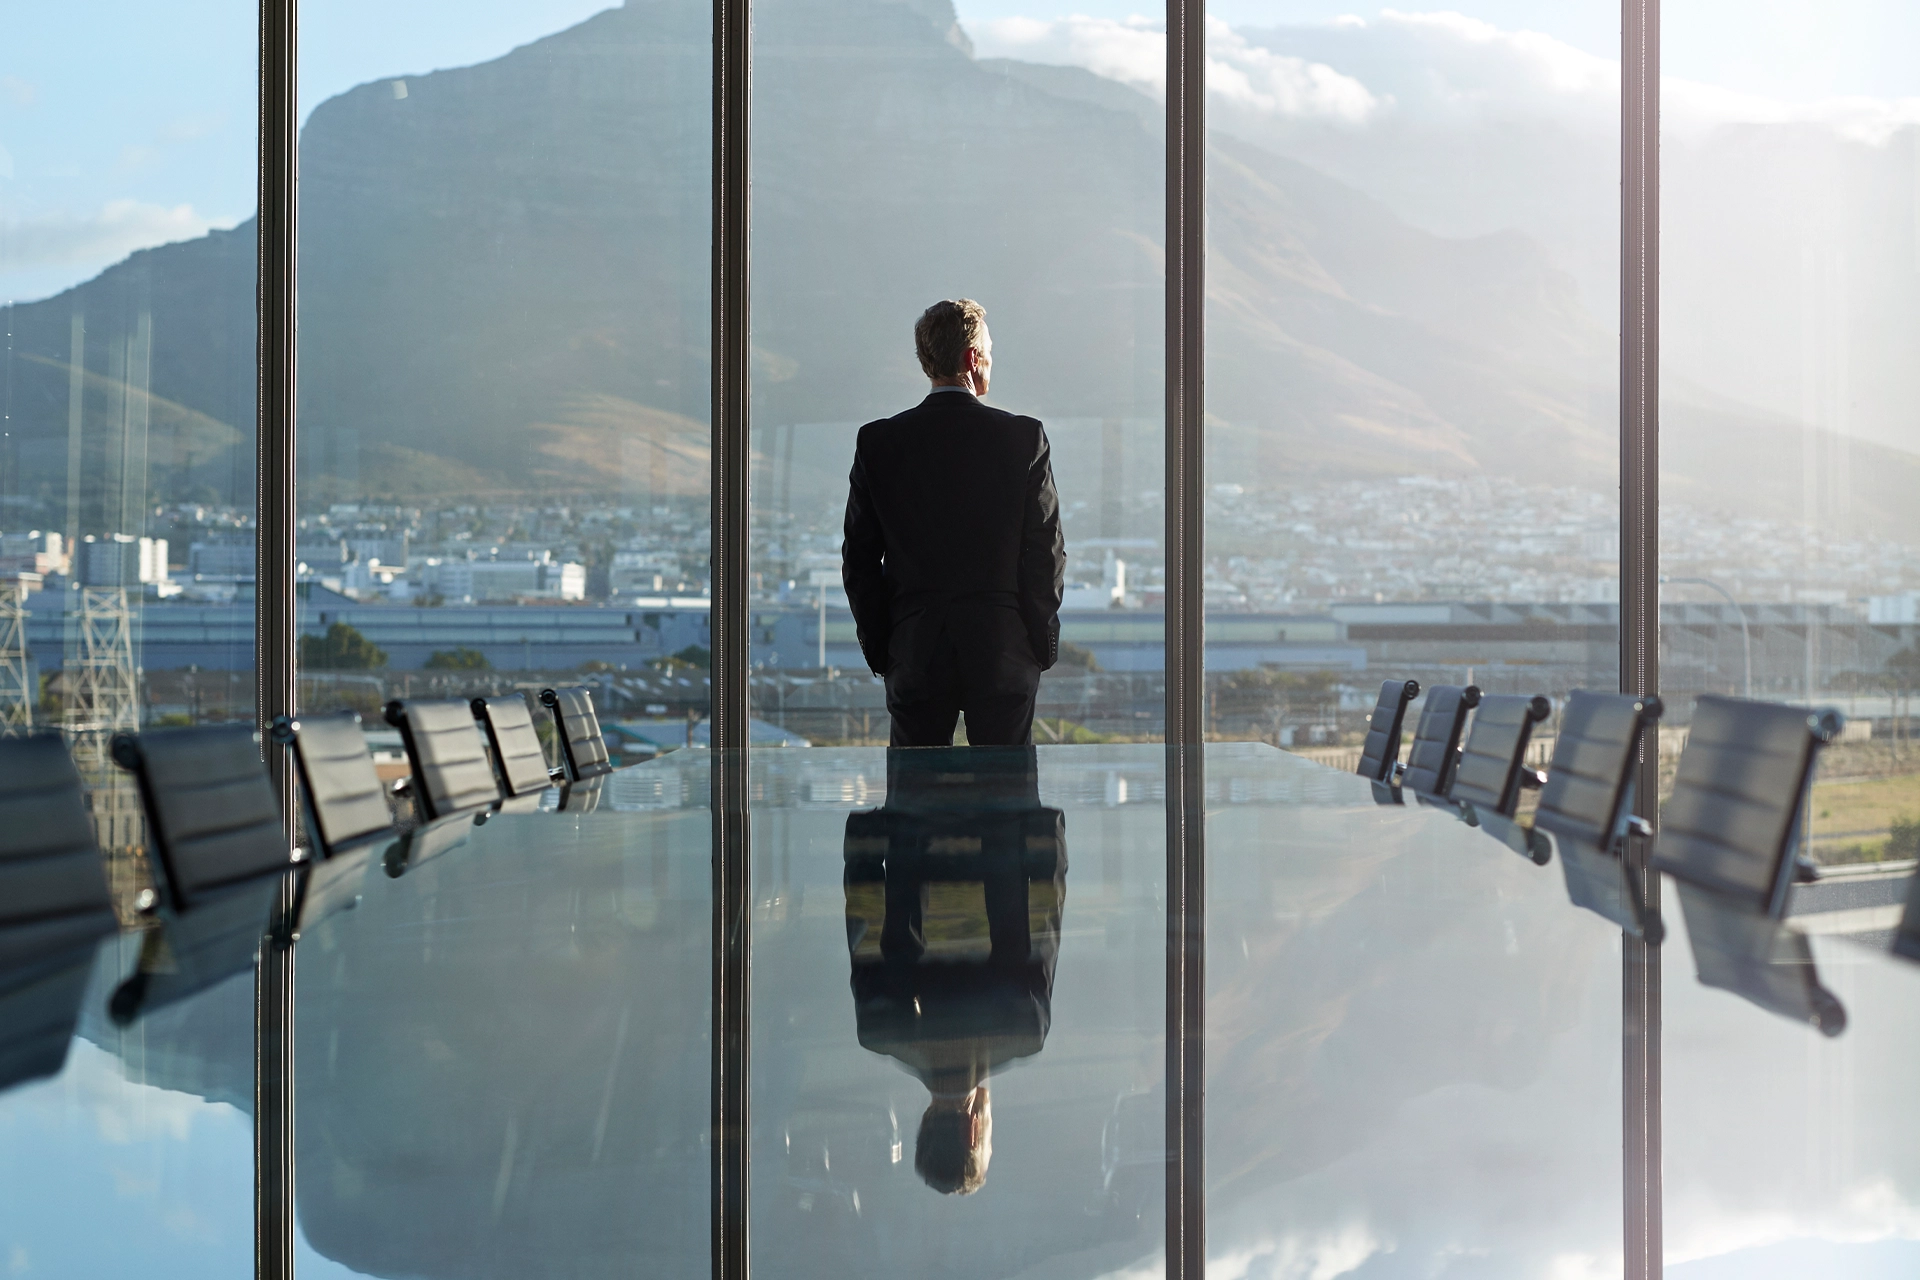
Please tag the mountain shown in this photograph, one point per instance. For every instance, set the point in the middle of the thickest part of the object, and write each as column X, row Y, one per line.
column 504, row 289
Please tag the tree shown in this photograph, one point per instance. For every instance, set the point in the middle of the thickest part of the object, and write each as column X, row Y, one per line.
column 343, row 648
column 460, row 659
column 691, row 656
column 1073, row 655
column 1902, row 677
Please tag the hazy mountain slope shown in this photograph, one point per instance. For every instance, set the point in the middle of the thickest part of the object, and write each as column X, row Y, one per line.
column 168, row 343
column 505, row 286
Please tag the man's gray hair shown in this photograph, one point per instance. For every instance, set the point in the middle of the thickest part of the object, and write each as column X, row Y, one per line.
column 945, row 331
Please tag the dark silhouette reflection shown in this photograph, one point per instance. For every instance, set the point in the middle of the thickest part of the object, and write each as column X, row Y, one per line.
column 423, row 844
column 44, row 969
column 1741, row 950
column 954, row 892
column 192, row 950
column 322, row 888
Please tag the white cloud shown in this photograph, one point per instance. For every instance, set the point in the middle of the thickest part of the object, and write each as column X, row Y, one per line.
column 1425, row 68
column 1134, row 52
column 1325, row 1256
column 120, row 227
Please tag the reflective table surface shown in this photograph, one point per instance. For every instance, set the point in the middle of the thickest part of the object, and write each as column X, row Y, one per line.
column 504, row 1050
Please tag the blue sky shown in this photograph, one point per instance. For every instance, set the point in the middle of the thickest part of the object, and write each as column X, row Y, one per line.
column 125, row 123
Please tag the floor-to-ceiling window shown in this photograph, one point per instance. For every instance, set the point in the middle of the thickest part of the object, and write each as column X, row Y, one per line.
column 1790, row 568
column 504, row 388
column 127, row 246
column 904, row 154
column 1411, row 457
column 504, row 378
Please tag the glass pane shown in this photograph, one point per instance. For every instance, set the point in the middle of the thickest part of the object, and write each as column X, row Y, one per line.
column 127, row 181
column 1411, row 361
column 1791, row 561
column 896, row 164
column 1413, row 244
column 504, row 381
column 958, row 1012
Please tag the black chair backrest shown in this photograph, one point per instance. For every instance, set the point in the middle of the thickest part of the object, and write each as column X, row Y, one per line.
column 345, row 804
column 1590, row 784
column 1488, row 775
column 49, row 866
column 1436, row 739
column 1382, row 749
column 449, row 761
column 517, row 754
column 1730, row 825
column 212, row 821
column 581, row 745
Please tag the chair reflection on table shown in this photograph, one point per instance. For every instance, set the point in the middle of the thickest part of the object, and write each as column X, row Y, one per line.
column 54, row 905
column 954, row 893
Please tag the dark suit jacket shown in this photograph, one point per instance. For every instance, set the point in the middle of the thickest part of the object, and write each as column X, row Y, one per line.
column 947, row 500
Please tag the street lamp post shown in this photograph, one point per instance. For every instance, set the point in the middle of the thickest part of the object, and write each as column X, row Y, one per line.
column 1746, row 638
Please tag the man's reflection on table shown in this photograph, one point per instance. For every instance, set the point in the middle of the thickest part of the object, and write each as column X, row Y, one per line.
column 954, row 891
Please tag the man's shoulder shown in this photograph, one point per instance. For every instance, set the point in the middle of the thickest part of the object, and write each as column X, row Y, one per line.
column 946, row 404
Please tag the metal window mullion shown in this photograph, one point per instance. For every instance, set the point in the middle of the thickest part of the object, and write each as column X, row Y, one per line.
column 729, row 708
column 1640, row 603
column 275, row 620
column 1185, row 182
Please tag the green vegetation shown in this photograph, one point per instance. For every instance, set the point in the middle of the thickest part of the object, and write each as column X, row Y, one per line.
column 1903, row 838
column 1073, row 655
column 1064, row 730
column 692, row 656
column 343, row 648
column 460, row 659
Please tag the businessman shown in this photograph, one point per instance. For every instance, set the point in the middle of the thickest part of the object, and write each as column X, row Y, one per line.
column 953, row 559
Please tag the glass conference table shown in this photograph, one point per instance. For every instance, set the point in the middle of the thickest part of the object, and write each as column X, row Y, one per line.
column 504, row 1066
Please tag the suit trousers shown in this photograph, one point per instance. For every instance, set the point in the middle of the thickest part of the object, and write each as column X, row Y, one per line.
column 971, row 655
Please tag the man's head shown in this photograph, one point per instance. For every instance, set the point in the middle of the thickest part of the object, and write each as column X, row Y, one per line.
column 952, row 342
column 955, row 1143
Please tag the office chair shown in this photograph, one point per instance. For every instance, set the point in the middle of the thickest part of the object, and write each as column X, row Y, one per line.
column 345, row 804
column 51, row 875
column 220, row 855
column 212, row 821
column 451, row 773
column 1492, row 770
column 1435, row 752
column 518, row 757
column 346, row 809
column 582, row 747
column 1728, row 836
column 1732, row 823
column 1381, row 750
column 1587, row 805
